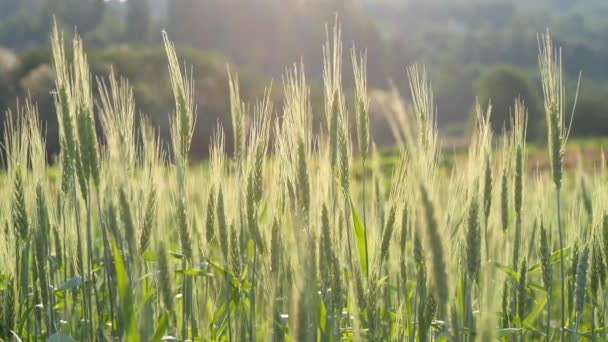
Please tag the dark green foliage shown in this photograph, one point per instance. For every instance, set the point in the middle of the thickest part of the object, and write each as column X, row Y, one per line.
column 138, row 21
column 500, row 85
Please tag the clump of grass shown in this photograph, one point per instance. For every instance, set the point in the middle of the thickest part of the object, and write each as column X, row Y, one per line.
column 550, row 63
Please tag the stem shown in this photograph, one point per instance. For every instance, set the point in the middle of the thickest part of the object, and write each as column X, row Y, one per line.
column 575, row 335
column 107, row 262
column 470, row 317
column 228, row 301
column 561, row 262
column 252, row 307
column 85, row 288
column 486, row 238
column 365, row 222
column 517, row 241
column 593, row 321
column 348, row 232
column 548, row 313
column 185, row 299
column 90, row 254
column 415, row 312
column 205, row 293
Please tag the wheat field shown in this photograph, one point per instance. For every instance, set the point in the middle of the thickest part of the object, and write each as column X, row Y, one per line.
column 295, row 233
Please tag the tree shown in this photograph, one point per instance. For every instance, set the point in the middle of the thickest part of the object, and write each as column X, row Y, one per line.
column 8, row 8
column 590, row 115
column 138, row 21
column 500, row 86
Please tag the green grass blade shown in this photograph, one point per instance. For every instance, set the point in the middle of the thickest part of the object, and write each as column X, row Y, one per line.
column 360, row 236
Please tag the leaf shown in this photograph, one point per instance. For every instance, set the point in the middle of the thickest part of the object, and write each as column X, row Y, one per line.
column 125, row 296
column 531, row 328
column 508, row 271
column 360, row 234
column 161, row 327
column 220, row 269
column 149, row 256
column 538, row 309
column 16, row 336
column 176, row 255
column 194, row 272
column 322, row 314
column 59, row 337
column 555, row 256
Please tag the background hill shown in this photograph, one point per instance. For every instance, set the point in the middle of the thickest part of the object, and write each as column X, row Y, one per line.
column 472, row 49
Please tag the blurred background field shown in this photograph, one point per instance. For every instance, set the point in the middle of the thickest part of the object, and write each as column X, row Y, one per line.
column 473, row 49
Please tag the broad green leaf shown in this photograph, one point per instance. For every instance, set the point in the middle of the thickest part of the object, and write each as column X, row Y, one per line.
column 322, row 314
column 360, row 235
column 538, row 309
column 553, row 259
column 161, row 327
column 17, row 338
column 176, row 255
column 508, row 271
column 194, row 272
column 149, row 255
column 126, row 322
column 531, row 328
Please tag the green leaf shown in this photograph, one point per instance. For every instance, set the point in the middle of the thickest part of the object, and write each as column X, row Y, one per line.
column 220, row 269
column 538, row 309
column 176, row 255
column 126, row 322
column 161, row 327
column 149, row 255
column 360, row 234
column 322, row 315
column 17, row 338
column 508, row 271
column 194, row 272
column 555, row 256
column 531, row 328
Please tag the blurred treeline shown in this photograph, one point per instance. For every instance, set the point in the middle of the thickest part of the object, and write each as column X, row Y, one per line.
column 473, row 49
